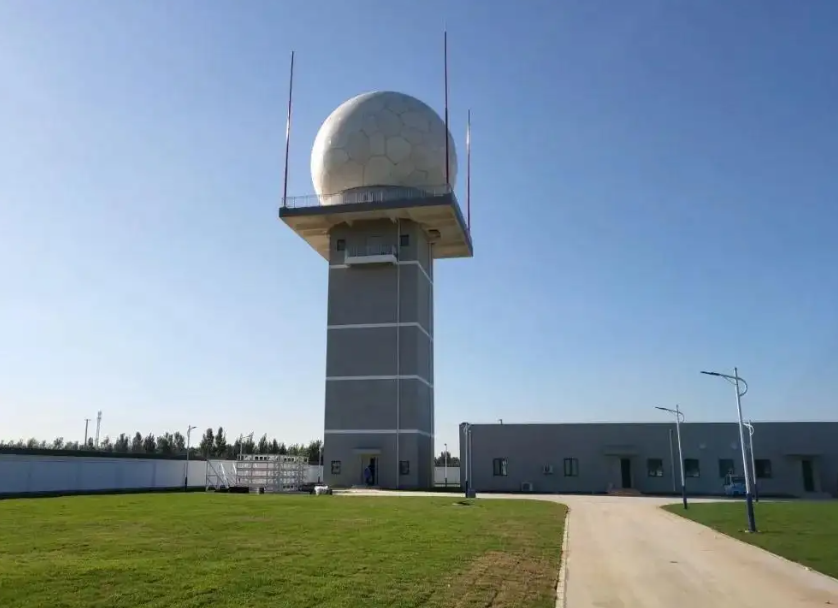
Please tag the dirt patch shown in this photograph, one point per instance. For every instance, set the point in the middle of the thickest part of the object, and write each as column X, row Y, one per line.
column 501, row 580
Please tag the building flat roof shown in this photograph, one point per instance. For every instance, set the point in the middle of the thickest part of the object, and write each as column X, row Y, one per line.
column 312, row 220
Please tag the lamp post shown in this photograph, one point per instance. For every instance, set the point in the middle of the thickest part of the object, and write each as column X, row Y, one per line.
column 672, row 462
column 469, row 483
column 445, row 464
column 749, row 498
column 186, row 472
column 750, row 426
column 679, row 417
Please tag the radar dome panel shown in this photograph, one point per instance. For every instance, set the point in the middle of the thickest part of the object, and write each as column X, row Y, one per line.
column 382, row 139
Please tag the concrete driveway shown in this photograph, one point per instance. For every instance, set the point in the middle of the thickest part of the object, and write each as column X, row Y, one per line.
column 625, row 552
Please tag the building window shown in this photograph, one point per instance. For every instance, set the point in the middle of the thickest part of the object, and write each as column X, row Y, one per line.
column 547, row 469
column 336, row 467
column 655, row 467
column 691, row 467
column 763, row 468
column 571, row 467
column 404, row 240
column 340, row 245
column 499, row 467
column 404, row 467
column 726, row 467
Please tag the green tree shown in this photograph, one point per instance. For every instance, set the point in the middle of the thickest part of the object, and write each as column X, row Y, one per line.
column 57, row 443
column 313, row 451
column 165, row 444
column 121, row 444
column 179, row 443
column 207, row 443
column 249, row 446
column 220, row 448
column 137, row 443
column 453, row 461
column 150, row 444
column 264, row 446
column 105, row 445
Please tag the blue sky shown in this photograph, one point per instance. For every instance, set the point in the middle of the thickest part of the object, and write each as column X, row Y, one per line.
column 654, row 193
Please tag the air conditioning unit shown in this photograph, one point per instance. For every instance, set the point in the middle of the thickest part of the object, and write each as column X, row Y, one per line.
column 527, row 486
column 547, row 469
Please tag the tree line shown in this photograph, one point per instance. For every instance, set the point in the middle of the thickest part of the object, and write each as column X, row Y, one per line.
column 213, row 444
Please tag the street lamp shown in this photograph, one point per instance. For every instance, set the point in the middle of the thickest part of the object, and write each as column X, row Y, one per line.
column 679, row 417
column 186, row 473
column 750, row 426
column 749, row 498
column 445, row 464
column 469, row 483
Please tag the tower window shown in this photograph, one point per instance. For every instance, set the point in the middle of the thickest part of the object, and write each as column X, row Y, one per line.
column 336, row 467
column 404, row 240
column 340, row 245
column 404, row 467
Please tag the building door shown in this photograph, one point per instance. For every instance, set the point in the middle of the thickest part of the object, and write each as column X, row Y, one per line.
column 625, row 472
column 808, row 475
column 369, row 470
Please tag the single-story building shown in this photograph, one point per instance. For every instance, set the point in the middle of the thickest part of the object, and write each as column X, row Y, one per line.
column 790, row 458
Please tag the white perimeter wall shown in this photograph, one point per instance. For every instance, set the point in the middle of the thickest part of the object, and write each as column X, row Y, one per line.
column 23, row 474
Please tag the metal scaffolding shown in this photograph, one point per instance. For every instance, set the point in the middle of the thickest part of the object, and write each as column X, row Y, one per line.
column 271, row 472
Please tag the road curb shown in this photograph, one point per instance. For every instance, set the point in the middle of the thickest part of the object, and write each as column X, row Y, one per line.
column 561, row 586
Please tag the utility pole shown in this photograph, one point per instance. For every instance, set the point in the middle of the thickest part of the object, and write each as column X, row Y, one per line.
column 445, row 464
column 86, row 423
column 186, row 470
column 98, row 426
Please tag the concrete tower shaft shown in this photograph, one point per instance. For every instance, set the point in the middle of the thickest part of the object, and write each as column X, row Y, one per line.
column 380, row 217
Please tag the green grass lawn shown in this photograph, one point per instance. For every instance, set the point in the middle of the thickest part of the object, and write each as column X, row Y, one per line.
column 804, row 532
column 219, row 550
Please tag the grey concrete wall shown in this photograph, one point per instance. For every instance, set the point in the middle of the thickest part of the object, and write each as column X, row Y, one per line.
column 373, row 367
column 357, row 404
column 599, row 448
column 353, row 452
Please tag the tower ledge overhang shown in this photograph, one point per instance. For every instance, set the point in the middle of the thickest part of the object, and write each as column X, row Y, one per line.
column 439, row 215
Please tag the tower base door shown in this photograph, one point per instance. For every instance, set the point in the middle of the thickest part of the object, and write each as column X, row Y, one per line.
column 369, row 470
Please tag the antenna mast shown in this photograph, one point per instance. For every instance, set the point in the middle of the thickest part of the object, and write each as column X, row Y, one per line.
column 468, row 172
column 288, row 132
column 445, row 61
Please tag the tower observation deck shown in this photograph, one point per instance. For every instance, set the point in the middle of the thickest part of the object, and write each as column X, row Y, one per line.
column 384, row 168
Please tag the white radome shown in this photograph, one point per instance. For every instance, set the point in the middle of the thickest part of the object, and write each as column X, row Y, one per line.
column 382, row 139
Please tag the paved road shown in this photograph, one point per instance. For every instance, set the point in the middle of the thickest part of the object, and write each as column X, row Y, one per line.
column 627, row 553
